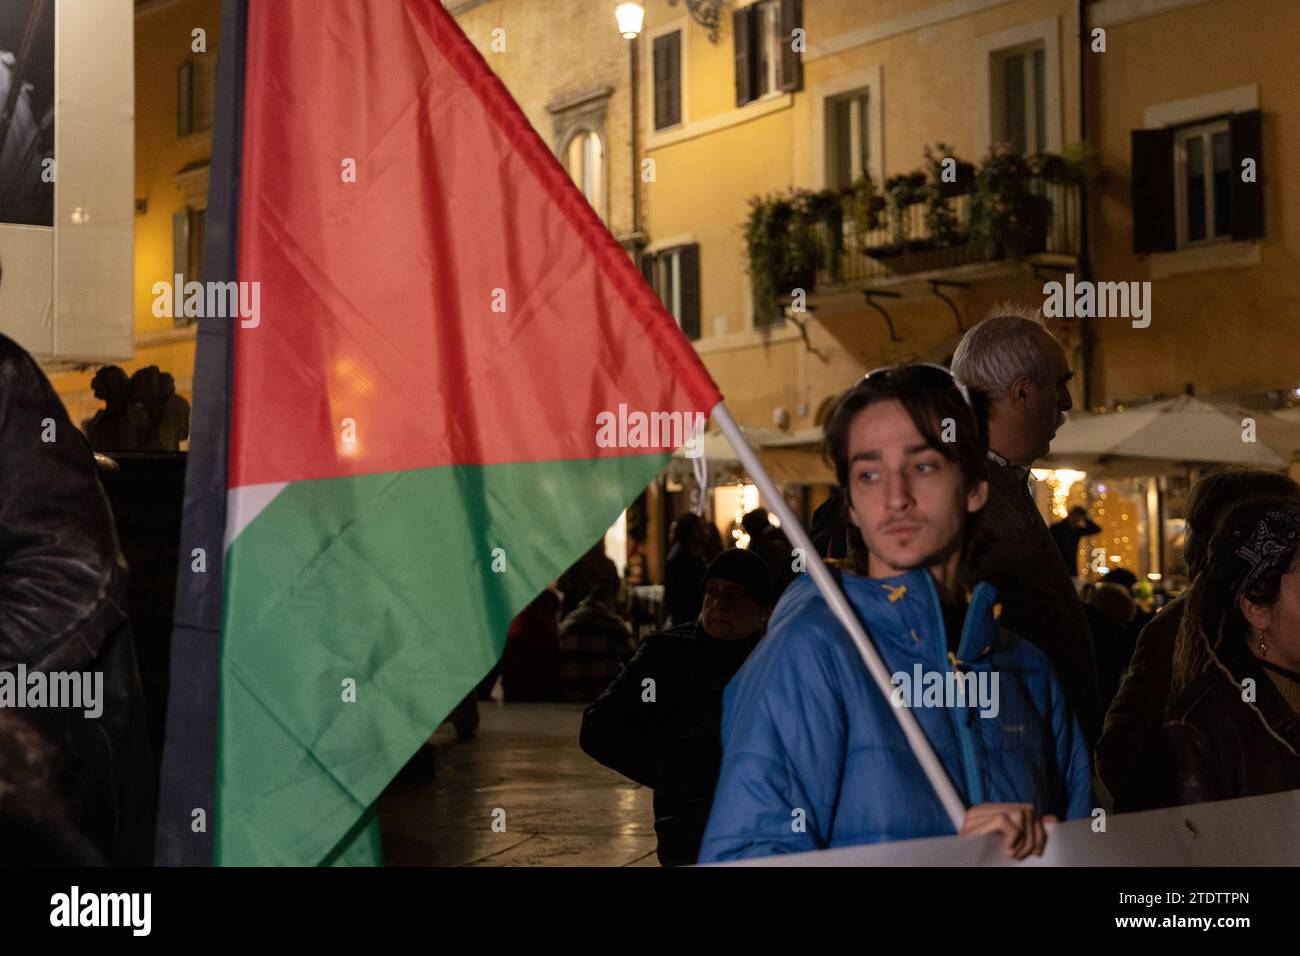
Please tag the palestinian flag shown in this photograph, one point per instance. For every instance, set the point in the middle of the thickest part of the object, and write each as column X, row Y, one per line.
column 409, row 429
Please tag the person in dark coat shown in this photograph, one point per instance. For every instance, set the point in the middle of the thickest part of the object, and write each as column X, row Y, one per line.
column 829, row 530
column 1232, row 726
column 1129, row 749
column 591, row 571
column 103, row 429
column 1068, row 531
column 36, row 828
column 1110, row 610
column 769, row 543
column 63, row 609
column 594, row 643
column 1020, row 372
column 659, row 722
column 530, row 665
column 684, row 570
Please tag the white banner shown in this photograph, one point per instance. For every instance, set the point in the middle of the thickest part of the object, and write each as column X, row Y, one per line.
column 1253, row 831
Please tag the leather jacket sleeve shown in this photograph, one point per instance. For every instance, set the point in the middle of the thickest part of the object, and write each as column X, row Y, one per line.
column 637, row 738
column 1195, row 769
column 618, row 729
column 61, row 574
column 1130, row 743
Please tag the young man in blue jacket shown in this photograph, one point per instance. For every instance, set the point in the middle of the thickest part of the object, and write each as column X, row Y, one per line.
column 813, row 757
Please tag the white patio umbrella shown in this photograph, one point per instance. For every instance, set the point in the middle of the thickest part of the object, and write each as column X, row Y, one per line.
column 1185, row 428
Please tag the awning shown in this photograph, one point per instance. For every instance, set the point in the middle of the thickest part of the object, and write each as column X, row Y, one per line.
column 789, row 457
column 1184, row 429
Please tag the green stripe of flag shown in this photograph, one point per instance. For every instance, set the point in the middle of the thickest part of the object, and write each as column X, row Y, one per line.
column 388, row 580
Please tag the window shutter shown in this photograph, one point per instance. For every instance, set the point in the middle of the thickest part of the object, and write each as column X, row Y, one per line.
column 791, row 61
column 668, row 76
column 661, row 80
column 184, row 99
column 181, row 224
column 1246, row 142
column 203, row 92
column 690, row 292
column 181, row 244
column 197, row 230
column 675, row 81
column 1153, row 190
column 740, row 28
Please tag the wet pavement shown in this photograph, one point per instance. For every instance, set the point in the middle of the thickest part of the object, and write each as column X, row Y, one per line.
column 551, row 804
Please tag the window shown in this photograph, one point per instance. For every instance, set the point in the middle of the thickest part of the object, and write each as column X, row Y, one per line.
column 674, row 274
column 765, row 48
column 1188, row 185
column 668, row 79
column 585, row 160
column 766, row 61
column 188, row 228
column 848, row 145
column 1202, row 191
column 1019, row 99
column 196, row 90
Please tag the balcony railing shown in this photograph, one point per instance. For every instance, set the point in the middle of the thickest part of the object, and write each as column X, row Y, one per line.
column 904, row 244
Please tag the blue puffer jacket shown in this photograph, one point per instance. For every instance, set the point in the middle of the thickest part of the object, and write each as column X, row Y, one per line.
column 804, row 727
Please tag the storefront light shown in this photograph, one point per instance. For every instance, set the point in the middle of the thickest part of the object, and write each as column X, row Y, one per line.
column 737, row 500
column 1059, row 482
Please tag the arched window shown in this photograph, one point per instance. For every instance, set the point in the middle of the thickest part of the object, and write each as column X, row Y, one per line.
column 585, row 160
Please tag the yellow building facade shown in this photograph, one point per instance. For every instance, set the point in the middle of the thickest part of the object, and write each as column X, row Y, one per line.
column 916, row 66
column 569, row 69
column 670, row 135
column 881, row 82
column 170, row 179
column 1224, row 314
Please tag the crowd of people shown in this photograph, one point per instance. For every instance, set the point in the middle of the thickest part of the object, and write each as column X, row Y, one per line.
column 749, row 712
column 764, row 735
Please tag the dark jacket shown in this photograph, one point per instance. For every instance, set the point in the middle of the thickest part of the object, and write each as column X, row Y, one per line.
column 1114, row 646
column 830, row 529
column 63, row 608
column 771, row 545
column 683, row 585
column 1067, row 538
column 672, row 745
column 1012, row 549
column 1221, row 747
column 594, row 644
column 1130, row 750
column 592, row 572
column 530, row 665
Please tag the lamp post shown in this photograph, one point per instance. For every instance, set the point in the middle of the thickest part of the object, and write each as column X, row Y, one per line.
column 631, row 17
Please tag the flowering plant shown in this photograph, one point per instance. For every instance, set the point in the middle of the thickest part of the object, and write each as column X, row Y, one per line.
column 946, row 177
column 784, row 246
column 1004, row 205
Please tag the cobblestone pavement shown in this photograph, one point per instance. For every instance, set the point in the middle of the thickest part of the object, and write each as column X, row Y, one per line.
column 561, row 807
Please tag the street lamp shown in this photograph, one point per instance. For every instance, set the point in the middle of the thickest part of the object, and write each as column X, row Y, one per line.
column 630, row 16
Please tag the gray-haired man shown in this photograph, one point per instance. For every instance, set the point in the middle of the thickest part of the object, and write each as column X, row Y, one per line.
column 1022, row 373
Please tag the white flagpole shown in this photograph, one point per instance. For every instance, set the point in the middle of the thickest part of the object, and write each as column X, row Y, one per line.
column 840, row 606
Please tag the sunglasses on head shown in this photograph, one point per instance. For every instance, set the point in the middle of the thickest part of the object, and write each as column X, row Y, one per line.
column 884, row 371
